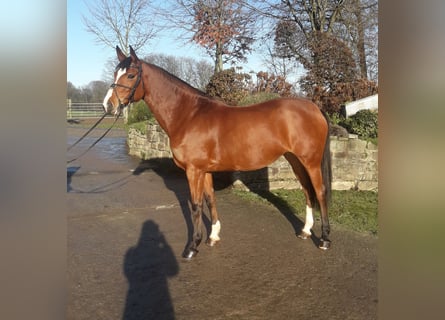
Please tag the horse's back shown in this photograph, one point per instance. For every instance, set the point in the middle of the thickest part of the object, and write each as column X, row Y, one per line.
column 286, row 119
column 247, row 138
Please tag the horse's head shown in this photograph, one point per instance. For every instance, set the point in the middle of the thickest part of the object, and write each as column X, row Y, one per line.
column 127, row 86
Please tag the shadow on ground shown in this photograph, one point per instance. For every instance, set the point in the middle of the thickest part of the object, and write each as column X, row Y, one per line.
column 147, row 267
column 257, row 183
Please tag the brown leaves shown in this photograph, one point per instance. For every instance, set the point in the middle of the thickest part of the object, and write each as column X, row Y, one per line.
column 331, row 79
column 272, row 83
column 223, row 28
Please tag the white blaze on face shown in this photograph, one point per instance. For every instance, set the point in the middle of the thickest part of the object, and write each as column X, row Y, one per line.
column 120, row 73
column 107, row 97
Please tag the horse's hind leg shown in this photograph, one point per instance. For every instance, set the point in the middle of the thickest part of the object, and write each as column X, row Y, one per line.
column 319, row 187
column 308, row 190
column 209, row 195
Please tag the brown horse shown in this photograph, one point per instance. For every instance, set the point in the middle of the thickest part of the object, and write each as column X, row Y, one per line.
column 207, row 136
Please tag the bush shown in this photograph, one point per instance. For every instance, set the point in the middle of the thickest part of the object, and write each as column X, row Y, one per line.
column 363, row 123
column 139, row 112
column 141, row 127
column 271, row 83
column 258, row 98
column 229, row 86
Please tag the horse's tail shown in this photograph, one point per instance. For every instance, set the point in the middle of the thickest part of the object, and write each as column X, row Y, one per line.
column 326, row 167
column 326, row 171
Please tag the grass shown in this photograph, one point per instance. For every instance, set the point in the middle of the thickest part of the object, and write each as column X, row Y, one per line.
column 355, row 210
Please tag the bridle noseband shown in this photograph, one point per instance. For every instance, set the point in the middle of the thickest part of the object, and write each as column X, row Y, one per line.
column 133, row 89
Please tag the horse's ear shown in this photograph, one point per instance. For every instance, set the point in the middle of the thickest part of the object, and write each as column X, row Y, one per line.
column 133, row 56
column 120, row 55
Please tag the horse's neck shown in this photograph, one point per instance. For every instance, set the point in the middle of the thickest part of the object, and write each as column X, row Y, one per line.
column 165, row 100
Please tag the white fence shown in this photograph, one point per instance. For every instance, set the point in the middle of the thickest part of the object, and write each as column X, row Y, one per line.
column 76, row 110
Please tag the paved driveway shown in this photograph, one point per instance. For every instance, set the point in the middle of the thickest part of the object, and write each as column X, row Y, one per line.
column 129, row 222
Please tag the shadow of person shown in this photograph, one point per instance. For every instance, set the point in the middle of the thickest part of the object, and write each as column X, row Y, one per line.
column 70, row 171
column 147, row 267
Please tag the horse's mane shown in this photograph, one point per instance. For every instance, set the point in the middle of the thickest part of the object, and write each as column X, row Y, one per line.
column 178, row 81
column 126, row 63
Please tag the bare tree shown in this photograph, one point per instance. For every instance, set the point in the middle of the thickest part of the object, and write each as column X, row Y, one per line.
column 298, row 23
column 279, row 65
column 108, row 70
column 194, row 72
column 353, row 21
column 73, row 92
column 93, row 92
column 359, row 28
column 98, row 90
column 122, row 22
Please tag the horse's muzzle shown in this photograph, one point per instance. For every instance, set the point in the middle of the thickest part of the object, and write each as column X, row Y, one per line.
column 118, row 110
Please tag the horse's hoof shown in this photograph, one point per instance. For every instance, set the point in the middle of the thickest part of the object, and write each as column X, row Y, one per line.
column 211, row 242
column 324, row 244
column 304, row 235
column 189, row 254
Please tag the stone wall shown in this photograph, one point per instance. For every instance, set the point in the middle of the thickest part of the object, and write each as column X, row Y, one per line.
column 354, row 162
column 153, row 144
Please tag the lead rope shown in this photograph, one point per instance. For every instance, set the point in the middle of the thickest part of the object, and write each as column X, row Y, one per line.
column 86, row 133
column 95, row 142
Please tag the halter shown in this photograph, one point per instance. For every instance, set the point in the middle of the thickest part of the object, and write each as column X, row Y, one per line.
column 121, row 106
column 133, row 89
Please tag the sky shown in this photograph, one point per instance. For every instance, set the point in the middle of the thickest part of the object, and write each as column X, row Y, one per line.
column 86, row 58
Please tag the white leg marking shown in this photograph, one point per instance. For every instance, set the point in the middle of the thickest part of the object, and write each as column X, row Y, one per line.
column 216, row 227
column 309, row 223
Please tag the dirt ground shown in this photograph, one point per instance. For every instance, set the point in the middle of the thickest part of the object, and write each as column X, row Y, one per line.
column 128, row 223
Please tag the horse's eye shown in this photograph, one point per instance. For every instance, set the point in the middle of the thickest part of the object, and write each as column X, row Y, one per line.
column 131, row 76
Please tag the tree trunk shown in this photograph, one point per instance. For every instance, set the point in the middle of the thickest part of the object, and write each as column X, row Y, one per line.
column 361, row 42
column 218, row 58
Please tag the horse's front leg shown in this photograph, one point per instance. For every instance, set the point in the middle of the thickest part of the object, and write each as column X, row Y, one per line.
column 209, row 194
column 195, row 179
